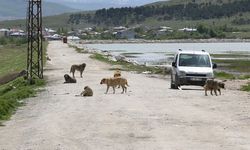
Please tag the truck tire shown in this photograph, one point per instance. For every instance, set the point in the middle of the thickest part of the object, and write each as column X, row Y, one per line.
column 173, row 84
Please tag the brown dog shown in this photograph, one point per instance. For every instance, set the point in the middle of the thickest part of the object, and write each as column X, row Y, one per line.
column 87, row 91
column 117, row 73
column 113, row 82
column 80, row 68
column 221, row 86
column 68, row 79
column 213, row 85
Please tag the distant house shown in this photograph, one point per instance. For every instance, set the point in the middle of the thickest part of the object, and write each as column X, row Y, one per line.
column 88, row 29
column 163, row 30
column 120, row 28
column 125, row 34
column 73, row 38
column 50, row 31
column 188, row 30
column 18, row 34
column 4, row 32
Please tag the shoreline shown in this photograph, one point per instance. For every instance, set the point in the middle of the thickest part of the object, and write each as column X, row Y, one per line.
column 136, row 41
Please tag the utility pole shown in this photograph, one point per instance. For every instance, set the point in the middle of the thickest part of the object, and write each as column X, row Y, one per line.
column 35, row 45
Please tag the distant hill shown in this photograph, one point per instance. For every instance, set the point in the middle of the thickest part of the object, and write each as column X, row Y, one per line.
column 99, row 4
column 174, row 13
column 165, row 11
column 15, row 9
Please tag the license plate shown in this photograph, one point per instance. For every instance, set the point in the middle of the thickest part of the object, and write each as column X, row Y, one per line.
column 196, row 79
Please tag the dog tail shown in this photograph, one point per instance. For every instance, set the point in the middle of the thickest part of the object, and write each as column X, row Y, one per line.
column 127, row 83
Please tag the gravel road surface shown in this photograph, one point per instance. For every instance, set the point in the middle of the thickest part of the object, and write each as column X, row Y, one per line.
column 150, row 116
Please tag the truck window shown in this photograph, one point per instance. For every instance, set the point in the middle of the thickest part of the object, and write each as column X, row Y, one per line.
column 194, row 60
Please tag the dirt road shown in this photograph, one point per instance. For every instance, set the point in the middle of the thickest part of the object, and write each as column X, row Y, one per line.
column 149, row 117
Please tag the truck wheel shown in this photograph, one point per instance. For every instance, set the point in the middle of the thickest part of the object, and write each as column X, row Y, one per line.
column 173, row 85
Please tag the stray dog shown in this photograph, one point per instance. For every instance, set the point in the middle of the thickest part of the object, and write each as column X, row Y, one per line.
column 214, row 85
column 87, row 91
column 221, row 85
column 117, row 73
column 113, row 82
column 80, row 68
column 68, row 79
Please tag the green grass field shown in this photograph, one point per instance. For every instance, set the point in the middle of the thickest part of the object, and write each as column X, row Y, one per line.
column 13, row 57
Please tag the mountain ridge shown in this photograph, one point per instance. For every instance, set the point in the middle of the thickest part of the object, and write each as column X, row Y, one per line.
column 16, row 9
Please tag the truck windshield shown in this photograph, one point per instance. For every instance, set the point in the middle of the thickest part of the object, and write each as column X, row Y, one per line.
column 194, row 60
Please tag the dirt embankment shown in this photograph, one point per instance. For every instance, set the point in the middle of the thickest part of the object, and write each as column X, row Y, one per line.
column 150, row 116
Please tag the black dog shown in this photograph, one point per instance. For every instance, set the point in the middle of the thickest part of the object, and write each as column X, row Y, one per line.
column 68, row 79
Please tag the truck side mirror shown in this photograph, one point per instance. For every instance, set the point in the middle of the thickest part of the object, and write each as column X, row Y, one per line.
column 214, row 66
column 173, row 64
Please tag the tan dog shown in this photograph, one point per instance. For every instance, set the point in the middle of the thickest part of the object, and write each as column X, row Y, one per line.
column 117, row 73
column 87, row 91
column 80, row 68
column 213, row 85
column 113, row 82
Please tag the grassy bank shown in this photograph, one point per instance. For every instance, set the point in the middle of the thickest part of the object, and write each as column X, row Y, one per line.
column 13, row 57
column 12, row 93
column 246, row 87
column 127, row 66
column 234, row 65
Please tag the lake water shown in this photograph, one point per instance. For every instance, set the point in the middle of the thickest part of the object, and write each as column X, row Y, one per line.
column 163, row 52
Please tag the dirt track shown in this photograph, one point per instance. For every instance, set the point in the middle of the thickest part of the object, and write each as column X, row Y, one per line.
column 150, row 116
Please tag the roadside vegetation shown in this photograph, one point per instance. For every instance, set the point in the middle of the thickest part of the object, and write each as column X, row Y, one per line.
column 11, row 95
column 13, row 53
column 127, row 66
column 246, row 87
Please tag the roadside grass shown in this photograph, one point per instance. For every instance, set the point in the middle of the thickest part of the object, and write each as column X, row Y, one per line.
column 12, row 93
column 235, row 65
column 244, row 77
column 79, row 50
column 127, row 66
column 224, row 75
column 13, row 57
column 246, row 87
column 229, row 55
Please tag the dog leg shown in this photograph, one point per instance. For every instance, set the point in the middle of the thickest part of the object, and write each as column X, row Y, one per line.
column 113, row 89
column 219, row 91
column 81, row 73
column 211, row 91
column 205, row 92
column 107, row 89
column 122, row 89
column 215, row 91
